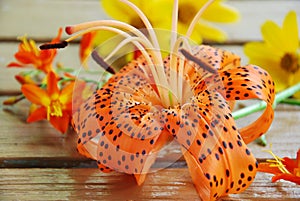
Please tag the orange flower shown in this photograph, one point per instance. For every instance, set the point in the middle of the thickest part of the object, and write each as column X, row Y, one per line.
column 29, row 54
column 55, row 104
column 184, row 97
column 282, row 168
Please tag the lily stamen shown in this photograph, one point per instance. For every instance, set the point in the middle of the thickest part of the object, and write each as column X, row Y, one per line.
column 54, row 109
column 277, row 162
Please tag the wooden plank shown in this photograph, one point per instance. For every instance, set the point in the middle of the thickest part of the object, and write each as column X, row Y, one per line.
column 283, row 136
column 39, row 140
column 91, row 184
column 59, row 13
column 20, row 139
column 41, row 19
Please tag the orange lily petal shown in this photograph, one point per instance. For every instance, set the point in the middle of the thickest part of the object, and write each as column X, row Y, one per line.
column 14, row 64
column 238, row 83
column 86, row 45
column 66, row 94
column 26, row 57
column 61, row 123
column 265, row 167
column 288, row 177
column 251, row 82
column 290, row 164
column 35, row 94
column 58, row 37
column 37, row 115
column 52, row 87
column 47, row 55
column 126, row 136
column 24, row 79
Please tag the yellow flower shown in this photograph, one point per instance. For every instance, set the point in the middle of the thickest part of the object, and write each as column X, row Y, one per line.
column 158, row 12
column 119, row 11
column 162, row 19
column 217, row 12
column 279, row 53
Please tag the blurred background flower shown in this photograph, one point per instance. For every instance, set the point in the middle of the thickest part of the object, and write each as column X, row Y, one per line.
column 279, row 53
column 53, row 104
column 205, row 29
column 283, row 168
column 30, row 55
column 217, row 12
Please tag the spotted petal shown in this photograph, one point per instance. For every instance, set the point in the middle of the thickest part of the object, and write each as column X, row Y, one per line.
column 218, row 159
column 236, row 83
column 251, row 82
column 124, row 124
column 120, row 121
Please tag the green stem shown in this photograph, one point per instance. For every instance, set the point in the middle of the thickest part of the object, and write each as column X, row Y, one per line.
column 261, row 141
column 291, row 101
column 249, row 110
column 262, row 105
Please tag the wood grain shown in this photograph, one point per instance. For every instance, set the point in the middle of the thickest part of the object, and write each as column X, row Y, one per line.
column 91, row 184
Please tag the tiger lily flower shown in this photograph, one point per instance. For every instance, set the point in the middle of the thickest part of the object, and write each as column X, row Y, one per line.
column 183, row 97
column 30, row 55
column 282, row 168
column 55, row 105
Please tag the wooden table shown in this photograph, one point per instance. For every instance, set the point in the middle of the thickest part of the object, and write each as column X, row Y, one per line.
column 38, row 163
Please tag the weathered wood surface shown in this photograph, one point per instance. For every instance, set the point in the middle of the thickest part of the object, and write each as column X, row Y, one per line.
column 90, row 184
column 38, row 163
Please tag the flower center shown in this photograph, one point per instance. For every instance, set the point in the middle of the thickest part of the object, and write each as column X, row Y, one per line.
column 289, row 62
column 186, row 13
column 54, row 109
column 137, row 23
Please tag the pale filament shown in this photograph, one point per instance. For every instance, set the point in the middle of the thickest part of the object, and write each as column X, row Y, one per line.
column 171, row 92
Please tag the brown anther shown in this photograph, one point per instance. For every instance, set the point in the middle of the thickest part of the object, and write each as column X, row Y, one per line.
column 47, row 46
